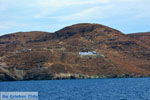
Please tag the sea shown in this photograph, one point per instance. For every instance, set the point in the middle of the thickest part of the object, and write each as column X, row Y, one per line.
column 84, row 89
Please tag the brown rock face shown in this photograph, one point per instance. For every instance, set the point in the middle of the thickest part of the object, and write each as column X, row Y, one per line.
column 81, row 50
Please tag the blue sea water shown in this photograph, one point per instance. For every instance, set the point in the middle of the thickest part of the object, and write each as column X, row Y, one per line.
column 86, row 89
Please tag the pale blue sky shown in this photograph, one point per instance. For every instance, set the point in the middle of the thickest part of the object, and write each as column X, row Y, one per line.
column 50, row 15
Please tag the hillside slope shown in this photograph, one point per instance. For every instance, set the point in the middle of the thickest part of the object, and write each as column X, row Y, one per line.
column 78, row 51
column 144, row 37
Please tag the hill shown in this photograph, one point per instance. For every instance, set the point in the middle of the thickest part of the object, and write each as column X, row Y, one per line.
column 78, row 51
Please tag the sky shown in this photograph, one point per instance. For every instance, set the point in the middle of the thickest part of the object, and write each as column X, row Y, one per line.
column 128, row 16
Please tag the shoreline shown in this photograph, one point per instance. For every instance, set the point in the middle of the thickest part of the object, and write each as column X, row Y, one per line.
column 75, row 78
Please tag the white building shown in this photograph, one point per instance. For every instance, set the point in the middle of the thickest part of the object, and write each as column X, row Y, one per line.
column 88, row 53
column 91, row 53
